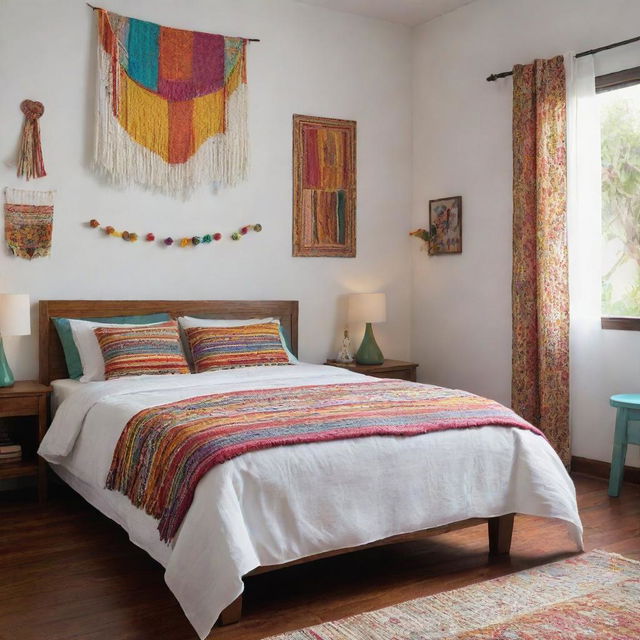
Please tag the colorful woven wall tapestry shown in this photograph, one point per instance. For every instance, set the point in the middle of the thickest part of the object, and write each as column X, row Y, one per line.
column 28, row 222
column 172, row 105
column 324, row 187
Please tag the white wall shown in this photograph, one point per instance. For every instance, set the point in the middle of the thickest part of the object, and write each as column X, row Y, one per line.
column 310, row 61
column 462, row 146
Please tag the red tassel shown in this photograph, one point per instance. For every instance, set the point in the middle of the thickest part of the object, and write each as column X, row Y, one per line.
column 30, row 162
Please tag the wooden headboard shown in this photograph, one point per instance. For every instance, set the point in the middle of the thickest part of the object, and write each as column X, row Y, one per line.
column 52, row 362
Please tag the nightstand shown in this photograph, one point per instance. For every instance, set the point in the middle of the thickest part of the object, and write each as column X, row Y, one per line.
column 26, row 398
column 388, row 369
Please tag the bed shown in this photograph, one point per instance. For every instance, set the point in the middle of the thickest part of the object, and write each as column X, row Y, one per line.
column 272, row 508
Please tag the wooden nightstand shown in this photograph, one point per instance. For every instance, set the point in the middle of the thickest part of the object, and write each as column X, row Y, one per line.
column 388, row 369
column 26, row 398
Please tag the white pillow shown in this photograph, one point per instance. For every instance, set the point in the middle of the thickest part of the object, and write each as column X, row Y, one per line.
column 188, row 322
column 89, row 347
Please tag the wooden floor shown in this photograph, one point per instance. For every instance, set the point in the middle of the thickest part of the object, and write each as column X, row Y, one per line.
column 66, row 572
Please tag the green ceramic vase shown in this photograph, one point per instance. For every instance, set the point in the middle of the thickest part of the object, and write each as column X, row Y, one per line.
column 369, row 351
column 6, row 375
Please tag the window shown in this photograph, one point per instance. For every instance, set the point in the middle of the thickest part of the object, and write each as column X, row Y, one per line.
column 619, row 102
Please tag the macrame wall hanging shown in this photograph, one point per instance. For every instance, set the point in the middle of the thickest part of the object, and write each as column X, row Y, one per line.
column 172, row 106
column 28, row 222
column 30, row 162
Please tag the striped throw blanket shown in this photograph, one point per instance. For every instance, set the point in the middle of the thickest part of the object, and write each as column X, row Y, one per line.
column 164, row 451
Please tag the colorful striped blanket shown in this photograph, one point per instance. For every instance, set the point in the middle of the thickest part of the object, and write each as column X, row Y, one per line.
column 164, row 451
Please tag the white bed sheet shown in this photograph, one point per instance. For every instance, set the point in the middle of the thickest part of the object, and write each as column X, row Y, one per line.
column 62, row 389
column 276, row 505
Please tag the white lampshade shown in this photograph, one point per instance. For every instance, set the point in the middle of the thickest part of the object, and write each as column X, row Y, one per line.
column 367, row 307
column 15, row 314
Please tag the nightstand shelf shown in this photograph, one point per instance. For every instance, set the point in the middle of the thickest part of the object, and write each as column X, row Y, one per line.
column 388, row 369
column 18, row 469
column 24, row 399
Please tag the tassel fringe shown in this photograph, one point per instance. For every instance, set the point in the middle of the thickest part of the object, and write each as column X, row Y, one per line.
column 30, row 161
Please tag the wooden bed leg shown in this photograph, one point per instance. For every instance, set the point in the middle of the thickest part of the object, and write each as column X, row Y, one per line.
column 500, row 531
column 232, row 613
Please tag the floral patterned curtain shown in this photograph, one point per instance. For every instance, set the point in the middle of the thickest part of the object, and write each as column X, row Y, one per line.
column 540, row 287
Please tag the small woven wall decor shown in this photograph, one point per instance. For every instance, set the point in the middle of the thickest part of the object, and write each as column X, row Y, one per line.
column 30, row 162
column 28, row 222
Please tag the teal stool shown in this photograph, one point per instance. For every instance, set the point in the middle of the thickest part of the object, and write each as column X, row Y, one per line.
column 627, row 432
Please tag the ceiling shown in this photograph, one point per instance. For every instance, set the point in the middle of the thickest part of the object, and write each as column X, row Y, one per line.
column 410, row 12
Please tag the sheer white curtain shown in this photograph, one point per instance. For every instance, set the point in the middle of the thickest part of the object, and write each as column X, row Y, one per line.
column 584, row 237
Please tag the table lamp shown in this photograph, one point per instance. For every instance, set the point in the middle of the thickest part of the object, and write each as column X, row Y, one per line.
column 15, row 320
column 368, row 308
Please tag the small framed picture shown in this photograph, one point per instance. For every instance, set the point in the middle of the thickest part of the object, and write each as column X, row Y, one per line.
column 445, row 225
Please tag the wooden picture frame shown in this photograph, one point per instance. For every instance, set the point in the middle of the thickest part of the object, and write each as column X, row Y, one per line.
column 445, row 225
column 324, row 187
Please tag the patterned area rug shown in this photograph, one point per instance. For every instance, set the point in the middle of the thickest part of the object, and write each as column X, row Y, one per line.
column 593, row 596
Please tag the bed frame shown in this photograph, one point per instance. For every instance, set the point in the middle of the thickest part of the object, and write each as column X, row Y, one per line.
column 53, row 366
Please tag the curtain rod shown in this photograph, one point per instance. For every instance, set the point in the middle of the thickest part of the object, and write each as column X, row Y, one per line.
column 505, row 74
column 247, row 39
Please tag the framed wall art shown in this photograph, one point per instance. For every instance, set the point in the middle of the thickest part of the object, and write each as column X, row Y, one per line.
column 324, row 187
column 445, row 225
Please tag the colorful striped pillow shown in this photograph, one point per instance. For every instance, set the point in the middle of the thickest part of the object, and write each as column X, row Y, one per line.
column 228, row 347
column 138, row 351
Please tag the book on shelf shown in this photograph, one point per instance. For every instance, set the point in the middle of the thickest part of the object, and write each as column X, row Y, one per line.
column 10, row 453
column 10, row 448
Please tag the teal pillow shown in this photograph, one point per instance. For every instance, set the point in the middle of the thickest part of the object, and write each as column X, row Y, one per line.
column 284, row 334
column 71, row 355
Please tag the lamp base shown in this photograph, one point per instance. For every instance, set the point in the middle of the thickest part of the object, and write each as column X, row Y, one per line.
column 6, row 375
column 369, row 351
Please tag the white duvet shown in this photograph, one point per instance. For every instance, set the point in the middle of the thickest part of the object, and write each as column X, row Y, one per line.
column 276, row 505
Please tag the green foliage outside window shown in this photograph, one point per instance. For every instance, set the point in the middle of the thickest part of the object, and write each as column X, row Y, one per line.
column 620, row 130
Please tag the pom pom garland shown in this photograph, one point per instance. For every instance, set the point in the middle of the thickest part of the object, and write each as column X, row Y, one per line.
column 193, row 241
column 244, row 230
